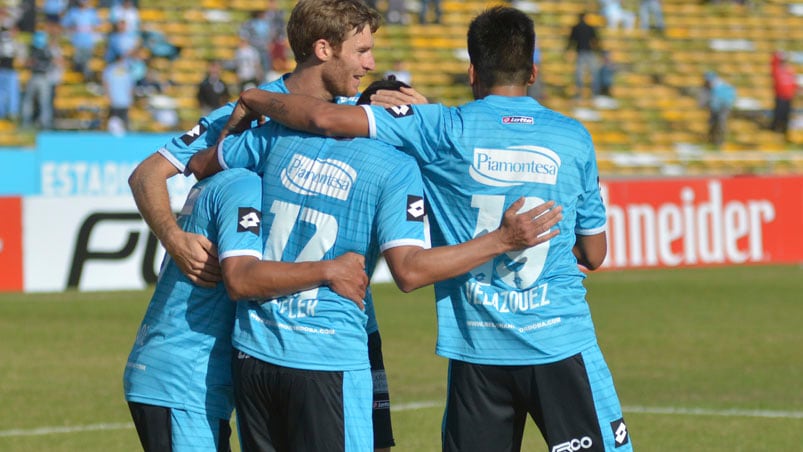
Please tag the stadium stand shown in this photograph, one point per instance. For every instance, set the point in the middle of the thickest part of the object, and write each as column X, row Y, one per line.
column 653, row 124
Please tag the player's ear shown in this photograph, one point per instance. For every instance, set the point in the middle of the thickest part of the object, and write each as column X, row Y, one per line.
column 322, row 50
column 534, row 75
column 471, row 75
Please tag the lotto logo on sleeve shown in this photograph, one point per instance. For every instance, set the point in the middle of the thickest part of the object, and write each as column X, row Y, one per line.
column 400, row 111
column 249, row 220
column 620, row 435
column 415, row 208
column 193, row 134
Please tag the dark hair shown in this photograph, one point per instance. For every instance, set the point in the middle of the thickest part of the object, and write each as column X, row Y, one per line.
column 501, row 42
column 332, row 20
column 391, row 84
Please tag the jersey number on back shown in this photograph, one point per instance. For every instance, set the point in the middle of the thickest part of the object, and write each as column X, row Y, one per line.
column 285, row 218
column 517, row 269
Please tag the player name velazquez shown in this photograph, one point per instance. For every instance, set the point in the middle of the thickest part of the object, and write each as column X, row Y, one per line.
column 515, row 166
column 326, row 177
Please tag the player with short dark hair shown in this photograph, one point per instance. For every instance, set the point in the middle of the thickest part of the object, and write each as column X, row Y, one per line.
column 517, row 330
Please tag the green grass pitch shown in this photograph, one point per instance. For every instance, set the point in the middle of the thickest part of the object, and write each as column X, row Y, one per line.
column 703, row 359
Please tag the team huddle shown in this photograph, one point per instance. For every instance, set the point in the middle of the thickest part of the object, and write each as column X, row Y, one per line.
column 263, row 302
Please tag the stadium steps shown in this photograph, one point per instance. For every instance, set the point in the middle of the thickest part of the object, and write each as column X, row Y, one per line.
column 656, row 87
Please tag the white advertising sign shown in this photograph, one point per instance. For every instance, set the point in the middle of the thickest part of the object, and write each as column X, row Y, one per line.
column 87, row 243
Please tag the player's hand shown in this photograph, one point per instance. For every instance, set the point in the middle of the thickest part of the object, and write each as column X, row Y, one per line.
column 346, row 276
column 240, row 119
column 196, row 257
column 390, row 98
column 532, row 227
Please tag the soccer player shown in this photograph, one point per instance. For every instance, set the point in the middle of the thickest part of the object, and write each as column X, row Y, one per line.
column 332, row 42
column 302, row 375
column 517, row 331
column 177, row 379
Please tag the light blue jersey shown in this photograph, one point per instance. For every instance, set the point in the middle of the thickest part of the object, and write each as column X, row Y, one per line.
column 523, row 307
column 322, row 197
column 182, row 354
column 180, row 150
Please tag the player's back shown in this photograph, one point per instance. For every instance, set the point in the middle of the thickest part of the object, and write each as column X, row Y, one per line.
column 476, row 160
column 323, row 197
column 181, row 356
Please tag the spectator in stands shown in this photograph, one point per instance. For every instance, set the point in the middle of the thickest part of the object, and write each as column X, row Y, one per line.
column 616, row 15
column 40, row 87
column 158, row 45
column 436, row 6
column 10, row 49
column 246, row 64
column 607, row 72
column 396, row 13
column 126, row 12
column 784, row 82
column 118, row 86
column 651, row 9
column 151, row 84
column 258, row 32
column 718, row 96
column 280, row 56
column 82, row 22
column 212, row 91
column 585, row 41
column 121, row 41
column 53, row 10
column 56, row 73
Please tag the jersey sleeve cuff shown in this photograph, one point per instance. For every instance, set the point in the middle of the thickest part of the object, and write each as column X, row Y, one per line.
column 173, row 160
column 371, row 121
column 237, row 253
column 592, row 231
column 220, row 158
column 402, row 242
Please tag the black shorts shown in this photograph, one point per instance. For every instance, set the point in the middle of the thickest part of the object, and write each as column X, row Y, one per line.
column 383, row 430
column 155, row 429
column 487, row 406
column 298, row 410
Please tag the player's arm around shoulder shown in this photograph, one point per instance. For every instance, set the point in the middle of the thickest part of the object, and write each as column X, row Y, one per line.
column 248, row 278
column 414, row 267
column 302, row 112
column 194, row 254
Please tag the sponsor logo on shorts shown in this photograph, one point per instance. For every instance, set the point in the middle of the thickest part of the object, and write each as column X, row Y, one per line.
column 415, row 208
column 574, row 445
column 620, row 434
column 249, row 220
column 241, row 355
column 516, row 165
column 381, row 404
column 400, row 111
column 193, row 134
column 517, row 120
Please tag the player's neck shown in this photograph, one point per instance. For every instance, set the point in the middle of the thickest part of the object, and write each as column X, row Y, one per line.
column 507, row 90
column 307, row 81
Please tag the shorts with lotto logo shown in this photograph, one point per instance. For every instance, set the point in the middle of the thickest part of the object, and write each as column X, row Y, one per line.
column 286, row 409
column 572, row 401
column 170, row 429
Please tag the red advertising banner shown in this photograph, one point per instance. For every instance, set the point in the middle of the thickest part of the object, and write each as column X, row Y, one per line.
column 704, row 221
column 10, row 244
